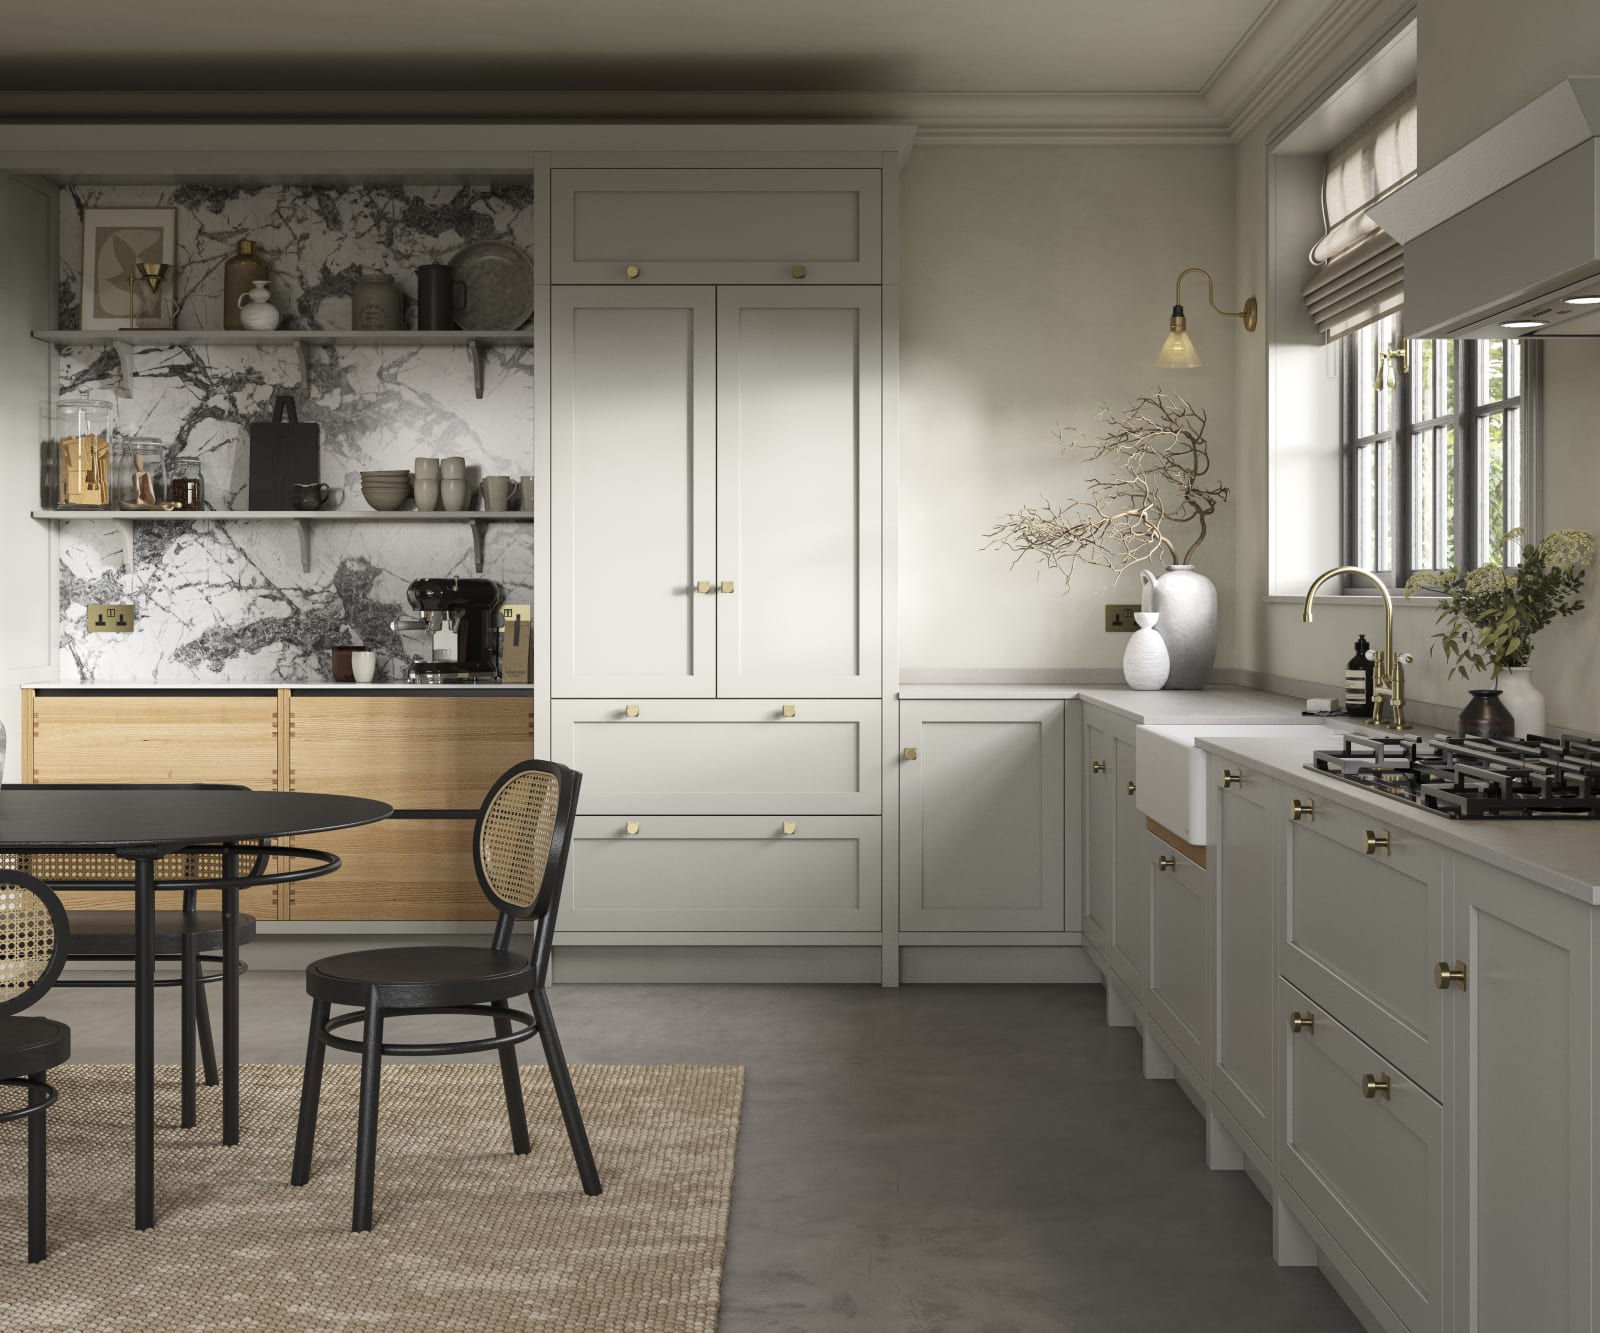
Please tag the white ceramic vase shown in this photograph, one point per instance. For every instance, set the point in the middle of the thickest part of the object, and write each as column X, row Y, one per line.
column 1187, row 603
column 1524, row 699
column 256, row 310
column 1145, row 664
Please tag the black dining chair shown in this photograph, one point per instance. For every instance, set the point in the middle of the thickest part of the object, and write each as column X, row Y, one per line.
column 33, row 948
column 522, row 836
column 186, row 936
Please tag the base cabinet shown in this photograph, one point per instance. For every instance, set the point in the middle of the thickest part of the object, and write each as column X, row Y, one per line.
column 1130, row 924
column 1180, row 903
column 1099, row 831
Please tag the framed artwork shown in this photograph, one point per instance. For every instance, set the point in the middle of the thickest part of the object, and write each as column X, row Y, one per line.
column 116, row 241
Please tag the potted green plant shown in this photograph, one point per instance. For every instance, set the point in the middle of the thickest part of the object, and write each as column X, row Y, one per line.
column 1488, row 617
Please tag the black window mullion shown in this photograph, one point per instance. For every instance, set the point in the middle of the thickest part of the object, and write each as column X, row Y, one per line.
column 1404, row 449
column 1467, row 553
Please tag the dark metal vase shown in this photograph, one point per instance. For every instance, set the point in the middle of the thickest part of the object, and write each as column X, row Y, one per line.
column 1487, row 716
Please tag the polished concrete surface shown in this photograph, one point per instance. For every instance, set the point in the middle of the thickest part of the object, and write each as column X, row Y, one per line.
column 936, row 1159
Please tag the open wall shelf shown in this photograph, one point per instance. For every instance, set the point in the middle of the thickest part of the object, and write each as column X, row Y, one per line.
column 125, row 340
column 304, row 520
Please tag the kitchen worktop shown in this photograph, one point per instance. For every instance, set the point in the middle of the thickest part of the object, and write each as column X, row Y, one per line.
column 1152, row 706
column 295, row 686
column 1561, row 854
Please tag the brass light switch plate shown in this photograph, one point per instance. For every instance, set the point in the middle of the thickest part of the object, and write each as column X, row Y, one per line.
column 110, row 618
column 516, row 611
column 1119, row 618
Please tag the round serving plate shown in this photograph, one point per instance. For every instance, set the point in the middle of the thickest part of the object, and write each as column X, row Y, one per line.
column 499, row 282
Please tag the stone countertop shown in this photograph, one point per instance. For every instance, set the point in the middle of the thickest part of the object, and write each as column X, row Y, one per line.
column 1225, row 704
column 295, row 686
column 1560, row 854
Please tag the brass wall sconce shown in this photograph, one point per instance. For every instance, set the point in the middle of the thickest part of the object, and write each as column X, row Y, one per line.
column 1178, row 353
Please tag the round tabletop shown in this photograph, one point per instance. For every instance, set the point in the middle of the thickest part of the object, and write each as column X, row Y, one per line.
column 112, row 818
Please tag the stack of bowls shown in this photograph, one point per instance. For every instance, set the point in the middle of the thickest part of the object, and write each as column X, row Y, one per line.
column 386, row 489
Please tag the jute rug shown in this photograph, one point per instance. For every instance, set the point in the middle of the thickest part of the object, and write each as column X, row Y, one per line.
column 467, row 1236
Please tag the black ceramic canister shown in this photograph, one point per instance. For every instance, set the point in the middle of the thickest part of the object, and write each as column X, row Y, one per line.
column 440, row 297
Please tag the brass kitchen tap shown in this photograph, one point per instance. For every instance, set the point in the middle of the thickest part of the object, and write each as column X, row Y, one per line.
column 1388, row 666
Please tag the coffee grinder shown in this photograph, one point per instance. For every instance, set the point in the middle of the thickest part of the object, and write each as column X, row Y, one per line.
column 458, row 617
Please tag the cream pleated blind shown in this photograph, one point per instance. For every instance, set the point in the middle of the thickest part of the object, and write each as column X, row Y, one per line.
column 1359, row 268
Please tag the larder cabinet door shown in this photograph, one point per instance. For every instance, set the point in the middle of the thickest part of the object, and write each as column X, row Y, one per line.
column 633, row 491
column 799, row 531
column 982, row 816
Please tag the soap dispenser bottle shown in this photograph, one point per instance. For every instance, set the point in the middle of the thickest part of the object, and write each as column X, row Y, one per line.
column 1358, row 681
column 243, row 269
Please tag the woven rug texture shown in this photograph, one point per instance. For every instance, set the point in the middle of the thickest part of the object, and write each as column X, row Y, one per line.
column 467, row 1235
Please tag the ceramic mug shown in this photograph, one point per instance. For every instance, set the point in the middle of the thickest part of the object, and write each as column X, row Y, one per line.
column 453, row 467
column 426, row 492
column 310, row 494
column 453, row 491
column 363, row 665
column 525, row 494
column 425, row 467
column 496, row 492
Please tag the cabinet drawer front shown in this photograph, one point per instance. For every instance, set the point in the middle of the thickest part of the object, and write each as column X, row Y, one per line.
column 1178, row 895
column 1370, row 1168
column 397, row 870
column 678, row 757
column 742, row 873
column 1364, row 932
column 716, row 225
column 415, row 753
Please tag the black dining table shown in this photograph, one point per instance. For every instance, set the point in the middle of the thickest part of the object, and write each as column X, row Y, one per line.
column 142, row 825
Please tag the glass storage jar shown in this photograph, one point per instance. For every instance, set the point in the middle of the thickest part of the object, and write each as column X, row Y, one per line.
column 82, row 431
column 188, row 489
column 139, row 473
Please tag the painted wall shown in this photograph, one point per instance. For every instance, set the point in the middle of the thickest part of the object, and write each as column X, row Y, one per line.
column 1036, row 284
column 1473, row 68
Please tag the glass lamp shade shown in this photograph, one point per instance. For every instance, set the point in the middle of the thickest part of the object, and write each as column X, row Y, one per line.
column 1177, row 353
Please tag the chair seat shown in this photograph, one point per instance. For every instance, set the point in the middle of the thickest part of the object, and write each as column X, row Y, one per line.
column 110, row 933
column 32, row 1045
column 420, row 977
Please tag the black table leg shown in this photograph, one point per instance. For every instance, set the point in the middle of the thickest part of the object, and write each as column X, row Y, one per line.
column 230, row 1003
column 144, row 1043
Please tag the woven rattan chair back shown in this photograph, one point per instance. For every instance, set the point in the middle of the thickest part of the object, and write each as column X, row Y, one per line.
column 33, row 939
column 523, row 833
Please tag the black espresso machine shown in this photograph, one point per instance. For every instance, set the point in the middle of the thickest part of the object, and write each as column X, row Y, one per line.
column 458, row 617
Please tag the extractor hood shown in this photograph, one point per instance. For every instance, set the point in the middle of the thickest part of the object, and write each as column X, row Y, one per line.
column 1502, row 238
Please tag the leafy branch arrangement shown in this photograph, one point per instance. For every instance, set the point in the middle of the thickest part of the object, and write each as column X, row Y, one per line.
column 1490, row 614
column 1158, row 447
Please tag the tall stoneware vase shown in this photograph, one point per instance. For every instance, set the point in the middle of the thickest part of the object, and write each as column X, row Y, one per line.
column 1524, row 699
column 1186, row 601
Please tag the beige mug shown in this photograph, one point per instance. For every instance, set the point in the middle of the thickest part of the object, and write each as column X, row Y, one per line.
column 525, row 494
column 496, row 492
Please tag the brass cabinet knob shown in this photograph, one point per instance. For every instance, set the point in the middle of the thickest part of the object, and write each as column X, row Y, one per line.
column 1444, row 976
column 1303, row 809
column 703, row 586
column 798, row 271
column 1374, row 1086
column 790, row 828
column 727, row 585
column 1232, row 779
column 1299, row 1022
column 1373, row 843
column 632, row 710
column 1099, row 766
column 631, row 827
column 1166, row 863
column 910, row 752
column 1132, row 788
column 632, row 270
column 788, row 710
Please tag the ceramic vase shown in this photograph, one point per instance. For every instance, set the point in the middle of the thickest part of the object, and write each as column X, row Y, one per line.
column 256, row 310
column 1186, row 601
column 1486, row 716
column 1526, row 702
column 1145, row 664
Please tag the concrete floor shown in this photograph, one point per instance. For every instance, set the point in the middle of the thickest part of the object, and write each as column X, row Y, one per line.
column 929, row 1160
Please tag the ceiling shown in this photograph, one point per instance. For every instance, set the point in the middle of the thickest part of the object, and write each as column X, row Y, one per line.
column 890, row 46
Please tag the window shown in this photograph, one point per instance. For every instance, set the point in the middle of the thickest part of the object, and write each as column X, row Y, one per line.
column 1437, row 449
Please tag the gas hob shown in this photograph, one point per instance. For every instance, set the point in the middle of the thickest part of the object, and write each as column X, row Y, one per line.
column 1469, row 777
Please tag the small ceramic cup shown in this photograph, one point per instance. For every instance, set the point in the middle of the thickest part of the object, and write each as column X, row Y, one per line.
column 453, row 491
column 454, row 468
column 425, row 467
column 426, row 492
column 310, row 494
column 363, row 665
column 525, row 494
column 496, row 493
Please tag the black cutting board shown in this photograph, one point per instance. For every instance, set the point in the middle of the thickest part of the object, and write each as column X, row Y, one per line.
column 283, row 454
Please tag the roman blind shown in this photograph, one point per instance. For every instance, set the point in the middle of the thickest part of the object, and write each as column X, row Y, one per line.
column 1358, row 267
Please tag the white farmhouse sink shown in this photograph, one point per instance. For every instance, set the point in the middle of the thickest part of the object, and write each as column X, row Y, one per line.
column 1172, row 771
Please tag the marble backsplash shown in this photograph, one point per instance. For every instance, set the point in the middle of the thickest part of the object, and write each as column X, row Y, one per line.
column 220, row 601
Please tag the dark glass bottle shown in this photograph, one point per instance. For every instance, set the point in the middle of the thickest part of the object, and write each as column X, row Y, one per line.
column 1358, row 681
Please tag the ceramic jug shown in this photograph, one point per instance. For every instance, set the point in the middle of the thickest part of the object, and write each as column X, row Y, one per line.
column 1145, row 664
column 256, row 310
column 1186, row 602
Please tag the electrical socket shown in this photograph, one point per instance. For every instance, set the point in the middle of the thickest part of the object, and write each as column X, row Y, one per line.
column 1119, row 618
column 109, row 618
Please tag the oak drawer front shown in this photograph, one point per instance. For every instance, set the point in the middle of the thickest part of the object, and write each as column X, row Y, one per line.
column 422, row 753
column 1179, row 890
column 729, row 757
column 725, row 225
column 1370, row 1168
column 744, row 873
column 1363, row 933
column 396, row 870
